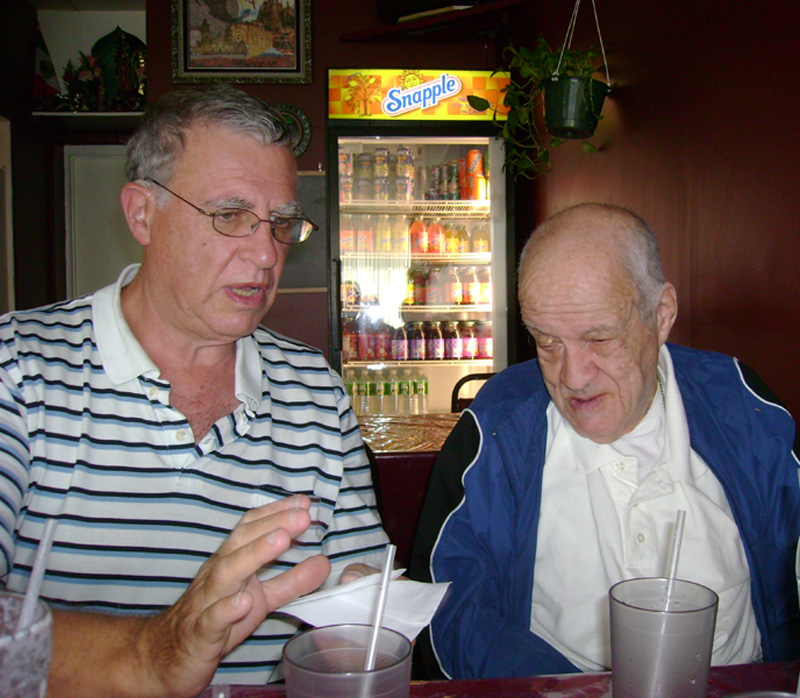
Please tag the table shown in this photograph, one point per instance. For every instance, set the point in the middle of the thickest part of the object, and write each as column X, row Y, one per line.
column 724, row 681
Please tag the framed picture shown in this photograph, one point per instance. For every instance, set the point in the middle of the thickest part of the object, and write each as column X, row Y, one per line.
column 241, row 41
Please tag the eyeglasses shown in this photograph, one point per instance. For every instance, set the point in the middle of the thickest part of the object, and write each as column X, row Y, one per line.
column 241, row 222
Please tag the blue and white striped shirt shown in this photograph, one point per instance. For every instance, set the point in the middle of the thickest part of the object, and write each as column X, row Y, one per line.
column 88, row 436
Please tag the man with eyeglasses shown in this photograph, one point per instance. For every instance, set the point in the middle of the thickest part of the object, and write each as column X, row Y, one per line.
column 203, row 470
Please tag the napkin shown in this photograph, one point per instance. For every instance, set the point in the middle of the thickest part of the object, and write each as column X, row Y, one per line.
column 409, row 605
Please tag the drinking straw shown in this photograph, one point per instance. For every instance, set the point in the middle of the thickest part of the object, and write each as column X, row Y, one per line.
column 380, row 606
column 37, row 574
column 675, row 553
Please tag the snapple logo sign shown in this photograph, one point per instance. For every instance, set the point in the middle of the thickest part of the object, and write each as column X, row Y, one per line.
column 423, row 96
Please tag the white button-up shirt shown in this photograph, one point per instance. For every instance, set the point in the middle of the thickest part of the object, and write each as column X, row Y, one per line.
column 608, row 513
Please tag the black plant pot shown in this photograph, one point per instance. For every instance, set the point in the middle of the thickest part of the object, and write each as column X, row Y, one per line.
column 572, row 105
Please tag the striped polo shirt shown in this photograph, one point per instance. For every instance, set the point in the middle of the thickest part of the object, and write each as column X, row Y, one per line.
column 88, row 436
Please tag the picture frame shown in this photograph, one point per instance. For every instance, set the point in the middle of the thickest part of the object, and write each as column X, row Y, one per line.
column 268, row 42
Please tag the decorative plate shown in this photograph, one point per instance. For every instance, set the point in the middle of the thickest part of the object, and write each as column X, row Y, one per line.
column 299, row 126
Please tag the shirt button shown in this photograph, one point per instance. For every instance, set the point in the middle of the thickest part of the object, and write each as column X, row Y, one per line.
column 641, row 538
column 619, row 466
column 152, row 392
column 182, row 435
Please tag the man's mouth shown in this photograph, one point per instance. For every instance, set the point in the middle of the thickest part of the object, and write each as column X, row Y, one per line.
column 582, row 404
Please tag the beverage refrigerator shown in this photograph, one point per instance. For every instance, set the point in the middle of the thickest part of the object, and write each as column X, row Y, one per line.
column 421, row 238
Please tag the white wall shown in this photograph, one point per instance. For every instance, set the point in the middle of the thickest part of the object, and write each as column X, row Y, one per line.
column 68, row 33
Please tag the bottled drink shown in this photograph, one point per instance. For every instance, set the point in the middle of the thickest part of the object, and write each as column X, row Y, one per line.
column 463, row 192
column 400, row 235
column 394, row 392
column 345, row 163
column 436, row 238
column 416, row 342
column 405, row 162
column 364, row 166
column 409, row 299
column 380, row 188
column 345, row 189
column 372, row 392
column 347, row 233
column 418, row 233
column 348, row 378
column 469, row 340
column 453, row 292
column 480, row 238
column 421, row 392
column 420, row 286
column 349, row 340
column 452, row 341
column 383, row 234
column 434, row 287
column 463, row 239
column 380, row 162
column 381, row 402
column 485, row 341
column 406, row 390
column 366, row 337
column 399, row 344
column 383, row 342
column 470, row 286
column 361, row 393
column 450, row 238
column 434, row 341
column 365, row 235
column 485, row 279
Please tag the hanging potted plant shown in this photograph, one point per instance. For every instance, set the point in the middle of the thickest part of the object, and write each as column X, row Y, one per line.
column 553, row 87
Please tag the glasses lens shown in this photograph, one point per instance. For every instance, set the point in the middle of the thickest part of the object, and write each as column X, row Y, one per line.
column 291, row 231
column 235, row 222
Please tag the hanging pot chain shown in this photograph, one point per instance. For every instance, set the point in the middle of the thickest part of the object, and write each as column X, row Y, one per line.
column 571, row 30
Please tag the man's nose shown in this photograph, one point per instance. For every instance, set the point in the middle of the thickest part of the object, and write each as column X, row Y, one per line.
column 578, row 368
column 261, row 247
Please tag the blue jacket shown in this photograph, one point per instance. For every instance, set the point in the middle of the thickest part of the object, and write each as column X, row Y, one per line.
column 487, row 546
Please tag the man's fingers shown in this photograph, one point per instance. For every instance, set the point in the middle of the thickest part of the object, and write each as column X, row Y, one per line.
column 302, row 579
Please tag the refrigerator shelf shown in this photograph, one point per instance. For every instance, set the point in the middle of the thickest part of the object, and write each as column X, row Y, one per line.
column 426, row 257
column 474, row 210
column 476, row 308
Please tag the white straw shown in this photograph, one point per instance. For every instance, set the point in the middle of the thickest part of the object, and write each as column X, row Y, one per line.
column 37, row 574
column 675, row 553
column 377, row 619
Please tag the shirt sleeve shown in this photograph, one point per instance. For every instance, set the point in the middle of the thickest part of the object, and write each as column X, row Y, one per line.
column 466, row 537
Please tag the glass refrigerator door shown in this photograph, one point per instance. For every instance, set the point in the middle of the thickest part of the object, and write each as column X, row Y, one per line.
column 421, row 246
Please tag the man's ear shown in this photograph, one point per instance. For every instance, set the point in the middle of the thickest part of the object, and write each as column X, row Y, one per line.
column 667, row 311
column 138, row 203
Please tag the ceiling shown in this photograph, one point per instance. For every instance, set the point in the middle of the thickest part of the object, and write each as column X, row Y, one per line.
column 90, row 5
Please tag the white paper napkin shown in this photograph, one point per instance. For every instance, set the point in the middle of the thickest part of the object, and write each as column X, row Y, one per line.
column 409, row 605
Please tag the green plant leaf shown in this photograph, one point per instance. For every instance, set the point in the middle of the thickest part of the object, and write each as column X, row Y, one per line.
column 589, row 147
column 478, row 103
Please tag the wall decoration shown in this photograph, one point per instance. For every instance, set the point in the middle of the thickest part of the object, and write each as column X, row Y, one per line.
column 299, row 126
column 241, row 41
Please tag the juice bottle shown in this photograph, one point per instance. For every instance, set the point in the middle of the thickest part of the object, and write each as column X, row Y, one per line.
column 463, row 239
column 485, row 279
column 399, row 344
column 365, row 235
column 480, row 238
column 485, row 341
column 434, row 341
column 450, row 238
column 453, row 293
column 416, row 342
column 383, row 342
column 469, row 340
column 452, row 341
column 434, row 287
column 347, row 233
column 383, row 234
column 418, row 233
column 349, row 340
column 436, row 237
column 400, row 235
column 470, row 286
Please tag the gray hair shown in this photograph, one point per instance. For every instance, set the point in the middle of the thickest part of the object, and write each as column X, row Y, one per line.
column 635, row 250
column 160, row 137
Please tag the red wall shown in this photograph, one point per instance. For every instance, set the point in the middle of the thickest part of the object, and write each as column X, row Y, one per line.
column 700, row 136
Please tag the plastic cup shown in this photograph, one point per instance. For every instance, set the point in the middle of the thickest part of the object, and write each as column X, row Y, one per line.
column 24, row 656
column 328, row 662
column 657, row 653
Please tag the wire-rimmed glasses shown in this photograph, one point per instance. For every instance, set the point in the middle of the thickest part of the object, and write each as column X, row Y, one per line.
column 240, row 222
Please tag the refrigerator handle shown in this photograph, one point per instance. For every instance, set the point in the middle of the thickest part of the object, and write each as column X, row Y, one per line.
column 336, row 271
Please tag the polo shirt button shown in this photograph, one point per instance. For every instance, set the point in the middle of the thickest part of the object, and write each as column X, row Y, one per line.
column 152, row 392
column 641, row 538
column 181, row 435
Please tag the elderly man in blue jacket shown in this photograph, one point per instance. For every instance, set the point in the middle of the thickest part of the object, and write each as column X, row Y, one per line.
column 566, row 473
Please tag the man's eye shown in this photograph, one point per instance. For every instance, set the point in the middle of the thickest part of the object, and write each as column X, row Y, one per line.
column 283, row 223
column 230, row 215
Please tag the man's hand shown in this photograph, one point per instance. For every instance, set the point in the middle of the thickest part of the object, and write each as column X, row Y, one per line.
column 176, row 652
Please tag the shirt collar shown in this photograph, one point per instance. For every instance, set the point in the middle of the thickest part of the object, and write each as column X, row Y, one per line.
column 124, row 359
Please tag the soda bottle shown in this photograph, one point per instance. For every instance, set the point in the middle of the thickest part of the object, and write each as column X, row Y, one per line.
column 347, row 233
column 436, row 238
column 349, row 340
column 421, row 392
column 365, row 235
column 400, row 235
column 418, row 233
column 383, row 234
